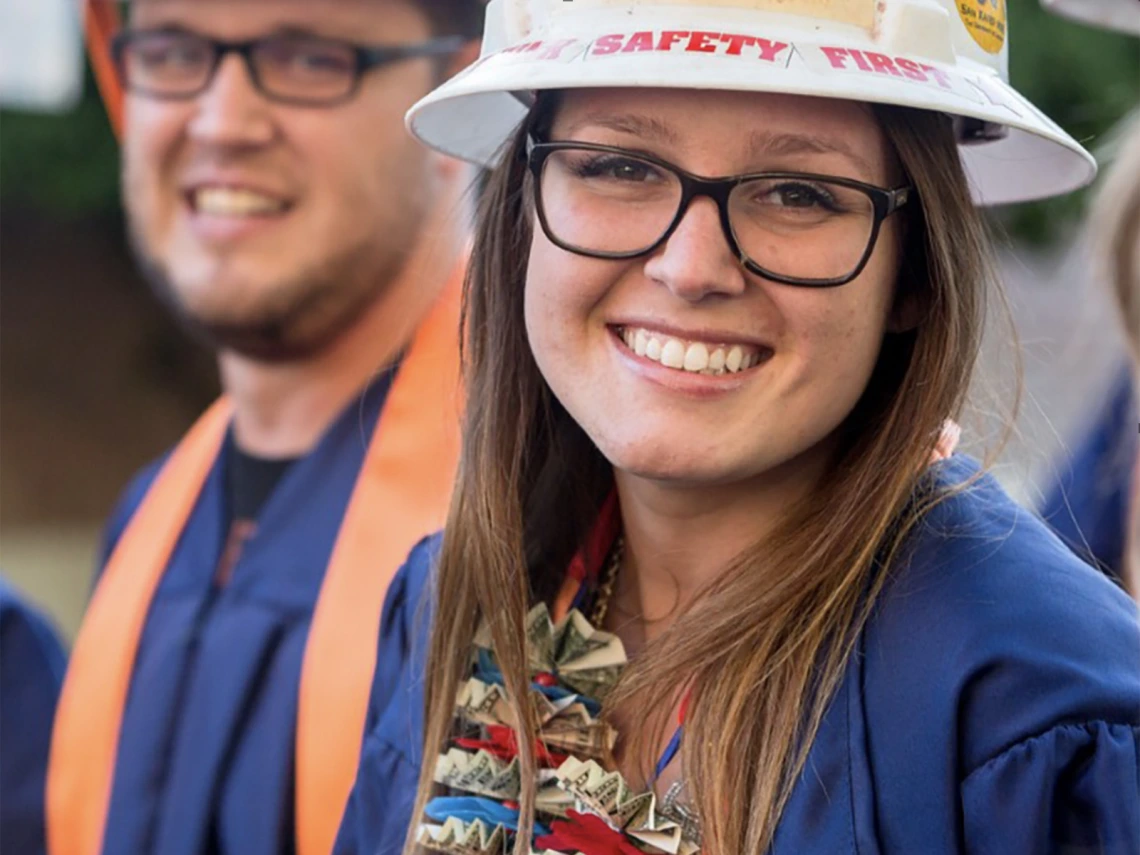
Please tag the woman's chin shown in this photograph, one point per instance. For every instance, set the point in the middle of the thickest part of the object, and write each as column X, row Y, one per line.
column 682, row 468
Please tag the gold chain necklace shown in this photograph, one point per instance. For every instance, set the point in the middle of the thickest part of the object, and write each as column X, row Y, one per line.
column 606, row 584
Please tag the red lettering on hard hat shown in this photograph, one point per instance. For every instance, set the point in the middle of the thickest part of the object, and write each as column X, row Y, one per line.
column 638, row 42
column 670, row 38
column 554, row 50
column 940, row 76
column 770, row 50
column 910, row 69
column 608, row 44
column 860, row 60
column 883, row 64
column 736, row 43
column 702, row 42
column 835, row 55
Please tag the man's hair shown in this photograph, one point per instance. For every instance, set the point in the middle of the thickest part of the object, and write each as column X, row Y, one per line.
column 447, row 17
column 455, row 17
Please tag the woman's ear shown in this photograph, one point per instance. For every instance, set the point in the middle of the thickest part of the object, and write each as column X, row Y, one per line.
column 906, row 314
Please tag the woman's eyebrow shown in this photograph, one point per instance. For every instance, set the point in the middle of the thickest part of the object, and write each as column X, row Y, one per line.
column 760, row 142
column 646, row 127
column 774, row 143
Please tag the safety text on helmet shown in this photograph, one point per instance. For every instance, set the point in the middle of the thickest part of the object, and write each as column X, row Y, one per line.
column 657, row 41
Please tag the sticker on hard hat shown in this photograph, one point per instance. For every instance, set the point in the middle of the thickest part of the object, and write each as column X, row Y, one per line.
column 985, row 21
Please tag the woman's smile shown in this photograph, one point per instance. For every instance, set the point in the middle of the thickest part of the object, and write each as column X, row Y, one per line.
column 689, row 364
column 691, row 353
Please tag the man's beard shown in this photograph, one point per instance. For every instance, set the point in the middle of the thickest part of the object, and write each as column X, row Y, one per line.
column 298, row 318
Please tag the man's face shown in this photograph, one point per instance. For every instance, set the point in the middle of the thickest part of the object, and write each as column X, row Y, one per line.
column 271, row 226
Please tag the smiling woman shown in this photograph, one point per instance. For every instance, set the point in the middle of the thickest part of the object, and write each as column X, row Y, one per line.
column 707, row 582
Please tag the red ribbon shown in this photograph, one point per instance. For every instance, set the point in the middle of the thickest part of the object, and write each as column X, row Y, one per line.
column 586, row 833
column 502, row 744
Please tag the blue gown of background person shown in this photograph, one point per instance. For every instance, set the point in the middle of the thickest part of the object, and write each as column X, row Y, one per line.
column 1088, row 505
column 32, row 664
column 205, row 762
column 992, row 707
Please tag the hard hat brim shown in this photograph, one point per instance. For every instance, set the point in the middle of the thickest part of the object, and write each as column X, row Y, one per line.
column 471, row 116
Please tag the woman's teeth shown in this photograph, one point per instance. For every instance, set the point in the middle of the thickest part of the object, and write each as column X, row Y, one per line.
column 234, row 202
column 693, row 356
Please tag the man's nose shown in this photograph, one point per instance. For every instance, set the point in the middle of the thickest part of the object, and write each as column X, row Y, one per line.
column 231, row 111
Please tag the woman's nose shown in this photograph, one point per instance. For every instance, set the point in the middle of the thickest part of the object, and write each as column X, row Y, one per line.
column 697, row 261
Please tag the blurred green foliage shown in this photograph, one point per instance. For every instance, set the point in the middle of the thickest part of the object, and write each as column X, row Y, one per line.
column 66, row 164
column 1085, row 79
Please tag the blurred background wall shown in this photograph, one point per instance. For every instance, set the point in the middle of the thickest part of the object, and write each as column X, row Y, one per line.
column 95, row 380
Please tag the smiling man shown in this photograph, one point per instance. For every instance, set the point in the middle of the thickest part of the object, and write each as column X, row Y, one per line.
column 217, row 692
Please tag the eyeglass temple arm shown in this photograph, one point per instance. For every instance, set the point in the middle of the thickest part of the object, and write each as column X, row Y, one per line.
column 433, row 47
column 101, row 21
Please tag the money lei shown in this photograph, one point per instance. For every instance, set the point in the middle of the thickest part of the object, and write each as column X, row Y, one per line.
column 573, row 666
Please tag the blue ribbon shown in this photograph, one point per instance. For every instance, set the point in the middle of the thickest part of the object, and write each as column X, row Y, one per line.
column 470, row 808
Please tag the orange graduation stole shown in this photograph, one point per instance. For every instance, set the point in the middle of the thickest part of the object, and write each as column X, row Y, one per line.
column 401, row 494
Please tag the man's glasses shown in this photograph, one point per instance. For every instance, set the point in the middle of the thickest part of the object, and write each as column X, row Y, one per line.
column 300, row 69
column 790, row 227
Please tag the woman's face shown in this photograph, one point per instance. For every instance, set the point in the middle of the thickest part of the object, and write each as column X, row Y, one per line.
column 605, row 333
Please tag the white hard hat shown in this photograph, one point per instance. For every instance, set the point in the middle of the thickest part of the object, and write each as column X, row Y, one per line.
column 1120, row 15
column 945, row 55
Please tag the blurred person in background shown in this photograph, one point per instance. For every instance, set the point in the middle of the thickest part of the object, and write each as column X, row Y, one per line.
column 1093, row 504
column 32, row 662
column 1118, row 214
column 218, row 689
column 1110, row 454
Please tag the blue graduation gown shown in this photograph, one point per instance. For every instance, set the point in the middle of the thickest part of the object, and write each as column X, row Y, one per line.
column 206, row 754
column 32, row 664
column 992, row 707
column 1088, row 504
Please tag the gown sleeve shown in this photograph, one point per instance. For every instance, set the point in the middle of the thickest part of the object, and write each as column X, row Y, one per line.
column 32, row 663
column 1011, row 670
column 1072, row 790
column 380, row 806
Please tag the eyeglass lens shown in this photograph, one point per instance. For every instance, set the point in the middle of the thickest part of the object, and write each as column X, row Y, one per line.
column 294, row 67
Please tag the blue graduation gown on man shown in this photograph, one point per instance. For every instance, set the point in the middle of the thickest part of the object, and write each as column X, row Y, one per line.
column 218, row 688
column 206, row 759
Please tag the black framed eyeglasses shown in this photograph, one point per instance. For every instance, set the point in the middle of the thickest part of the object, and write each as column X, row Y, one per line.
column 796, row 228
column 291, row 68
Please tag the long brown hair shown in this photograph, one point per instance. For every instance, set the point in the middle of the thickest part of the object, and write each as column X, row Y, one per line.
column 765, row 646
